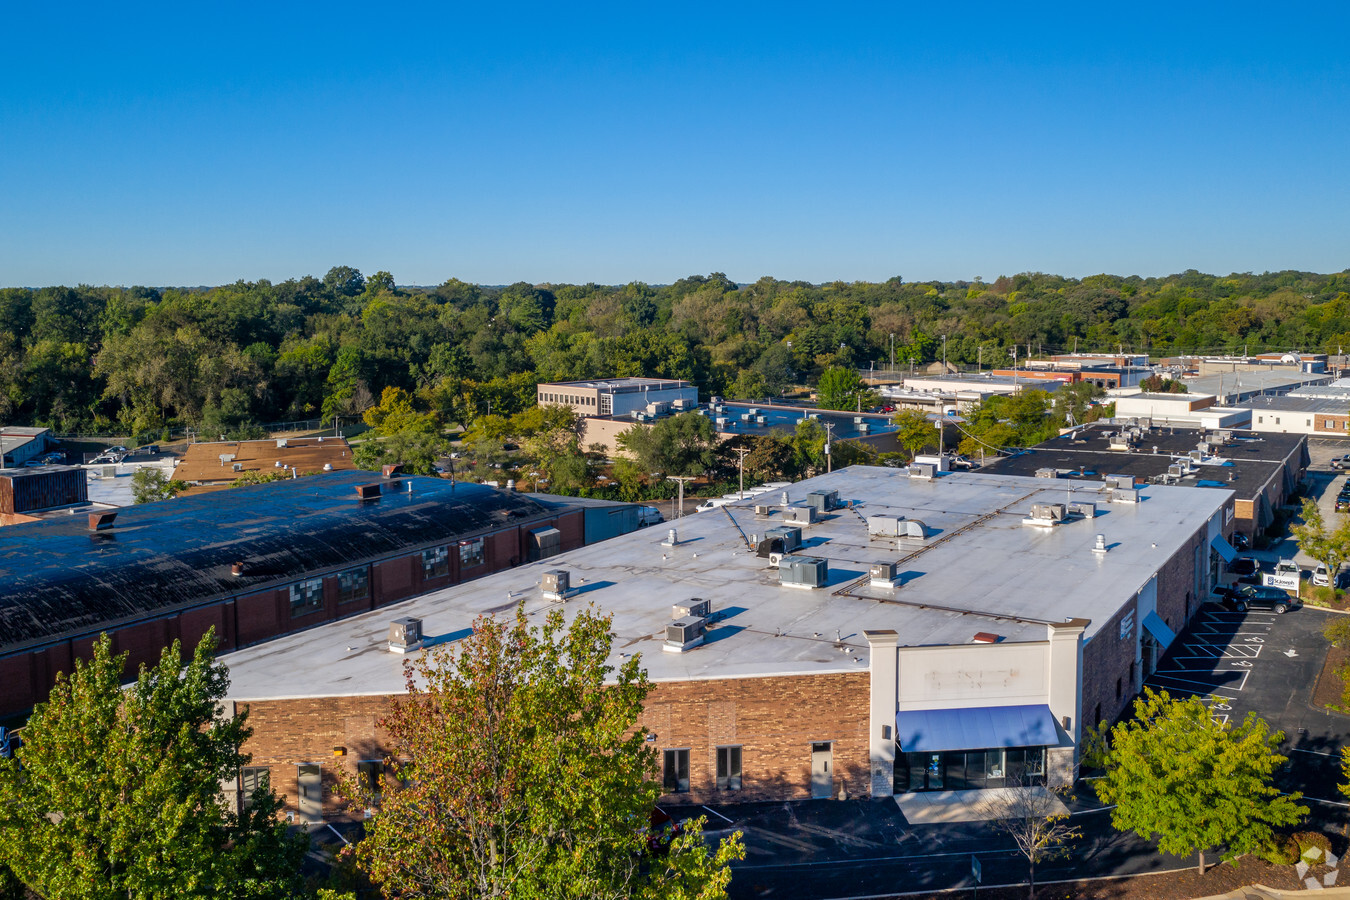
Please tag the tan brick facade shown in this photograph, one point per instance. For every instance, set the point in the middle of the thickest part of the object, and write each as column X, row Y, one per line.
column 773, row 720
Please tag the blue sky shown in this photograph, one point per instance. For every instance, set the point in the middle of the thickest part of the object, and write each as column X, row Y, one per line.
column 180, row 144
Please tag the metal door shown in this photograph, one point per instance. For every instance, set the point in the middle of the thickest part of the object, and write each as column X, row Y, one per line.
column 822, row 770
column 310, row 783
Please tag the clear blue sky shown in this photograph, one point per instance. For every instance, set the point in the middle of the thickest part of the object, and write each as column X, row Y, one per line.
column 180, row 144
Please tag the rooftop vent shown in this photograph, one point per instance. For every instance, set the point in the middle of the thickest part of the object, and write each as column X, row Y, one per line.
column 803, row 571
column 694, row 608
column 556, row 585
column 236, row 569
column 1100, row 545
column 101, row 521
column 684, row 634
column 763, row 511
column 368, row 491
column 672, row 538
column 405, row 635
column 238, row 467
column 926, row 471
column 986, row 637
column 281, row 443
column 1047, row 473
column 226, row 458
column 328, row 467
column 885, row 526
column 391, row 470
column 883, row 574
column 277, row 464
column 915, row 529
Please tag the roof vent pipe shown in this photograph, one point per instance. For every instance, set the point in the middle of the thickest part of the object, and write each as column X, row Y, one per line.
column 101, row 521
column 672, row 538
column 236, row 569
column 1100, row 546
column 784, row 500
column 510, row 484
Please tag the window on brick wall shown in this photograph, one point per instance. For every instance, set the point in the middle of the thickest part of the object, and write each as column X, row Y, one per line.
column 251, row 778
column 675, row 772
column 436, row 562
column 728, row 768
column 307, row 597
column 353, row 585
column 471, row 553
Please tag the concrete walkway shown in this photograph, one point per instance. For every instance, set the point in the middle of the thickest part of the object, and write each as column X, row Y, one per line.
column 945, row 807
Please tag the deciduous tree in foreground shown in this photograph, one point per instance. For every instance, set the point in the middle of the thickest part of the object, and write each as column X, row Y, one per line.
column 1194, row 783
column 518, row 772
column 117, row 793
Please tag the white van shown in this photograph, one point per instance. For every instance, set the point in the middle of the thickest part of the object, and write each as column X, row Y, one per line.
column 714, row 503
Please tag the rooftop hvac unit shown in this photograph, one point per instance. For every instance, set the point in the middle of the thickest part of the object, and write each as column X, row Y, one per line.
column 684, row 634
column 746, row 417
column 1054, row 511
column 1223, row 437
column 785, row 539
column 754, row 410
column 680, row 403
column 1085, row 508
column 760, row 420
column 238, row 467
column 1120, row 481
column 883, row 574
column 885, row 526
column 281, row 443
column 1203, row 447
column 803, row 571
column 761, row 510
column 1121, row 495
column 1047, row 473
column 1196, row 455
column 857, row 420
column 368, row 491
column 800, row 515
column 864, row 428
column 556, row 585
column 823, row 500
column 927, row 471
column 405, row 635
column 1176, row 471
column 721, row 421
column 694, row 608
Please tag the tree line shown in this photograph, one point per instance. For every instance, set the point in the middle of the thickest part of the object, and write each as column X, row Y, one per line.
column 138, row 360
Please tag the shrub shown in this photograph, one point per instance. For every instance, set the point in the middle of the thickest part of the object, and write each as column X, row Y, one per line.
column 1282, row 851
column 1308, row 840
column 1337, row 631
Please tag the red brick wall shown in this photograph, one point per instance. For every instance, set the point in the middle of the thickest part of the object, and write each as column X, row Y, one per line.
column 774, row 721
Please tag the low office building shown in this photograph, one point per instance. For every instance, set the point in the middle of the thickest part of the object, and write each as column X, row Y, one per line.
column 220, row 463
column 1317, row 417
column 1186, row 410
column 872, row 632
column 20, row 445
column 619, row 396
column 1237, row 388
column 253, row 562
column 1263, row 470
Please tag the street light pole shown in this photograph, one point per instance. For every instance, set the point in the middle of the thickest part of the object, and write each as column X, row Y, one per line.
column 829, row 457
column 892, row 352
column 740, row 465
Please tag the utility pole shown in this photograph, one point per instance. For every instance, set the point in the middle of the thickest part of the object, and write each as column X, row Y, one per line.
column 740, row 466
column 680, row 480
column 892, row 352
column 979, row 358
column 829, row 459
column 1014, row 353
column 944, row 354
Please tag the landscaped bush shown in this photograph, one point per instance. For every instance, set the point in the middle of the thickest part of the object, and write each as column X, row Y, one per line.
column 1307, row 840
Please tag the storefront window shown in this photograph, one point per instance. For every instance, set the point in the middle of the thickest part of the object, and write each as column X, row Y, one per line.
column 969, row 770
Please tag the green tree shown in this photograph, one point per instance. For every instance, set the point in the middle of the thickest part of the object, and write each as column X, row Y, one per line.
column 914, row 431
column 1332, row 548
column 149, row 485
column 841, row 388
column 1038, row 825
column 1176, row 773
column 678, row 445
column 117, row 793
column 519, row 772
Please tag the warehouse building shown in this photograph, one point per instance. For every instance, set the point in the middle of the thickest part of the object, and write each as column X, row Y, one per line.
column 1262, row 470
column 872, row 632
column 254, row 563
column 217, row 464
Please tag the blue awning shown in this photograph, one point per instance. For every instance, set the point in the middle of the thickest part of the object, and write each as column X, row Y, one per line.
column 981, row 727
column 1158, row 628
column 1225, row 549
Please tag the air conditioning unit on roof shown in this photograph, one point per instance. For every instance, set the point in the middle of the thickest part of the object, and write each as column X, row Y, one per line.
column 684, row 634
column 694, row 608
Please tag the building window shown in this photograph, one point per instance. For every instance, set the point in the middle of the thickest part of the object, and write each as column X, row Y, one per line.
column 1330, row 424
column 370, row 777
column 436, row 562
column 471, row 553
column 675, row 773
column 1118, row 684
column 1260, row 419
column 307, row 597
column 728, row 768
column 251, row 779
column 353, row 585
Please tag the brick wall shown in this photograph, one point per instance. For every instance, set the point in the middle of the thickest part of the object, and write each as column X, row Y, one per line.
column 773, row 720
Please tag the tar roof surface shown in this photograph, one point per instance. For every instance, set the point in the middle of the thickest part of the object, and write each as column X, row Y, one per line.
column 59, row 578
column 981, row 570
column 202, row 462
column 1252, row 458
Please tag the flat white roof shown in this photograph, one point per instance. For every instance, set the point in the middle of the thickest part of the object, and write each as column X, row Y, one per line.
column 981, row 569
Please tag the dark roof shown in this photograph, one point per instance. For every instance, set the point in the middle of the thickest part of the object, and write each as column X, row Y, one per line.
column 1253, row 457
column 58, row 577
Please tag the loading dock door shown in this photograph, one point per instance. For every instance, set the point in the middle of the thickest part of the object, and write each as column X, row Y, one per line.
column 822, row 770
column 311, row 793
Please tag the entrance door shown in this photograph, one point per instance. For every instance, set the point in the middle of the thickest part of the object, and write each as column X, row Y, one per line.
column 1148, row 650
column 822, row 770
column 311, row 793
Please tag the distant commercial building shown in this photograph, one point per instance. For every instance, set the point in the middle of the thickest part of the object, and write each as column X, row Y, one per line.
column 254, row 563
column 1185, row 410
column 19, row 445
column 1262, row 470
column 1235, row 388
column 1317, row 417
column 220, row 463
column 873, row 632
column 1102, row 376
column 619, row 396
column 1309, row 363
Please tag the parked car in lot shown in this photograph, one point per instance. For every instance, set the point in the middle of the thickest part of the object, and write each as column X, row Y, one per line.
column 1341, row 462
column 1241, row 541
column 1243, row 597
column 1321, row 576
column 1247, row 569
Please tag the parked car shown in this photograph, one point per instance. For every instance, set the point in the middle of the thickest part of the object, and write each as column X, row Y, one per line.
column 1243, row 597
column 118, row 449
column 1244, row 566
column 1241, row 541
column 957, row 461
column 714, row 503
column 1288, row 567
column 1321, row 576
column 1341, row 462
column 649, row 515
